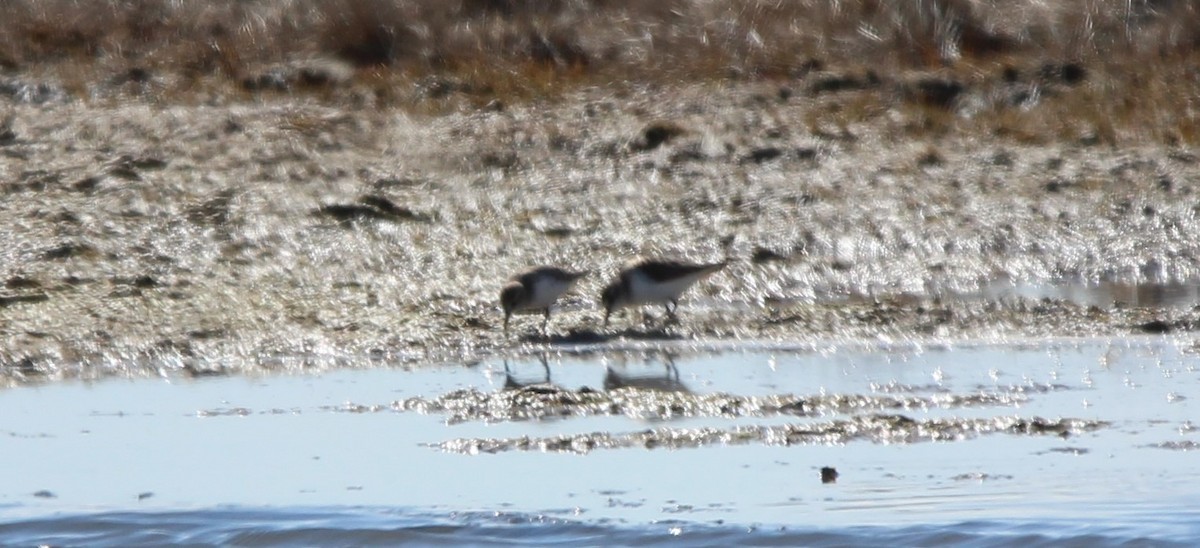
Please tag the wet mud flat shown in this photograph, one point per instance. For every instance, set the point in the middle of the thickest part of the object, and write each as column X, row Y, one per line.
column 237, row 235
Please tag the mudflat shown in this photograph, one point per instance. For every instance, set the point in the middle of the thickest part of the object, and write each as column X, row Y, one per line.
column 157, row 234
column 353, row 208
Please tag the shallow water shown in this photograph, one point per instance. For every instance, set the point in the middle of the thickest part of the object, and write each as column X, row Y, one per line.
column 336, row 457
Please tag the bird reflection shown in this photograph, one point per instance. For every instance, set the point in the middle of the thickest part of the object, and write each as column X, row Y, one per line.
column 667, row 381
column 511, row 382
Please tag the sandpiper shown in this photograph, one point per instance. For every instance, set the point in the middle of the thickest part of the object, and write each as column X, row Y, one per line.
column 654, row 281
column 536, row 289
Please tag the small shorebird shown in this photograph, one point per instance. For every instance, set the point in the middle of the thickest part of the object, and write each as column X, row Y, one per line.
column 654, row 281
column 536, row 289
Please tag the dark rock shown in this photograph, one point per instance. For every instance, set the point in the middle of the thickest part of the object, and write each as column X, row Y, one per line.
column 657, row 134
column 1056, row 186
column 68, row 250
column 206, row 334
column 21, row 282
column 829, row 474
column 348, row 212
column 124, row 172
column 9, row 300
column 502, row 159
column 764, row 255
column 7, row 135
column 390, row 209
column 1067, row 73
column 930, row 158
column 936, row 92
column 1155, row 326
column 832, row 83
column 147, row 163
column 87, row 184
column 1010, row 74
column 763, row 154
column 134, row 75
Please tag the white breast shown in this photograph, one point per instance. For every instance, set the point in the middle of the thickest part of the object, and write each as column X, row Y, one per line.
column 643, row 289
column 545, row 291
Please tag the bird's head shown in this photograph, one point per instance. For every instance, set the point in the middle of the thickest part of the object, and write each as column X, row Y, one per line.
column 510, row 298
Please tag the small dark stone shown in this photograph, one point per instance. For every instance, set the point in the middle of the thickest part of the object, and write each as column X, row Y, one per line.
column 931, row 157
column 7, row 135
column 67, row 250
column 138, row 75
column 145, row 281
column 346, row 213
column 124, row 172
column 829, row 474
column 833, row 83
column 7, row 300
column 204, row 334
column 764, row 255
column 87, row 184
column 390, row 210
column 1010, row 75
column 44, row 494
column 25, row 366
column 73, row 280
column 21, row 282
column 657, row 134
column 1055, row 186
column 1073, row 73
column 1067, row 73
column 936, row 92
column 148, row 162
column 1155, row 326
column 763, row 154
column 196, row 372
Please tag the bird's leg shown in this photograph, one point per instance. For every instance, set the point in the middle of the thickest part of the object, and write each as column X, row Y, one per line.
column 671, row 307
column 545, row 366
column 545, row 320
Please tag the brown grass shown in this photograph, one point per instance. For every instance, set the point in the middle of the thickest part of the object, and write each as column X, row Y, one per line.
column 1137, row 54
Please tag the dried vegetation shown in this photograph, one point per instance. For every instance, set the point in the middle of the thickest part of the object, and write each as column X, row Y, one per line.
column 1032, row 71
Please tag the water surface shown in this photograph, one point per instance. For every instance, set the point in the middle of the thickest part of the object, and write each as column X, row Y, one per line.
column 301, row 459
